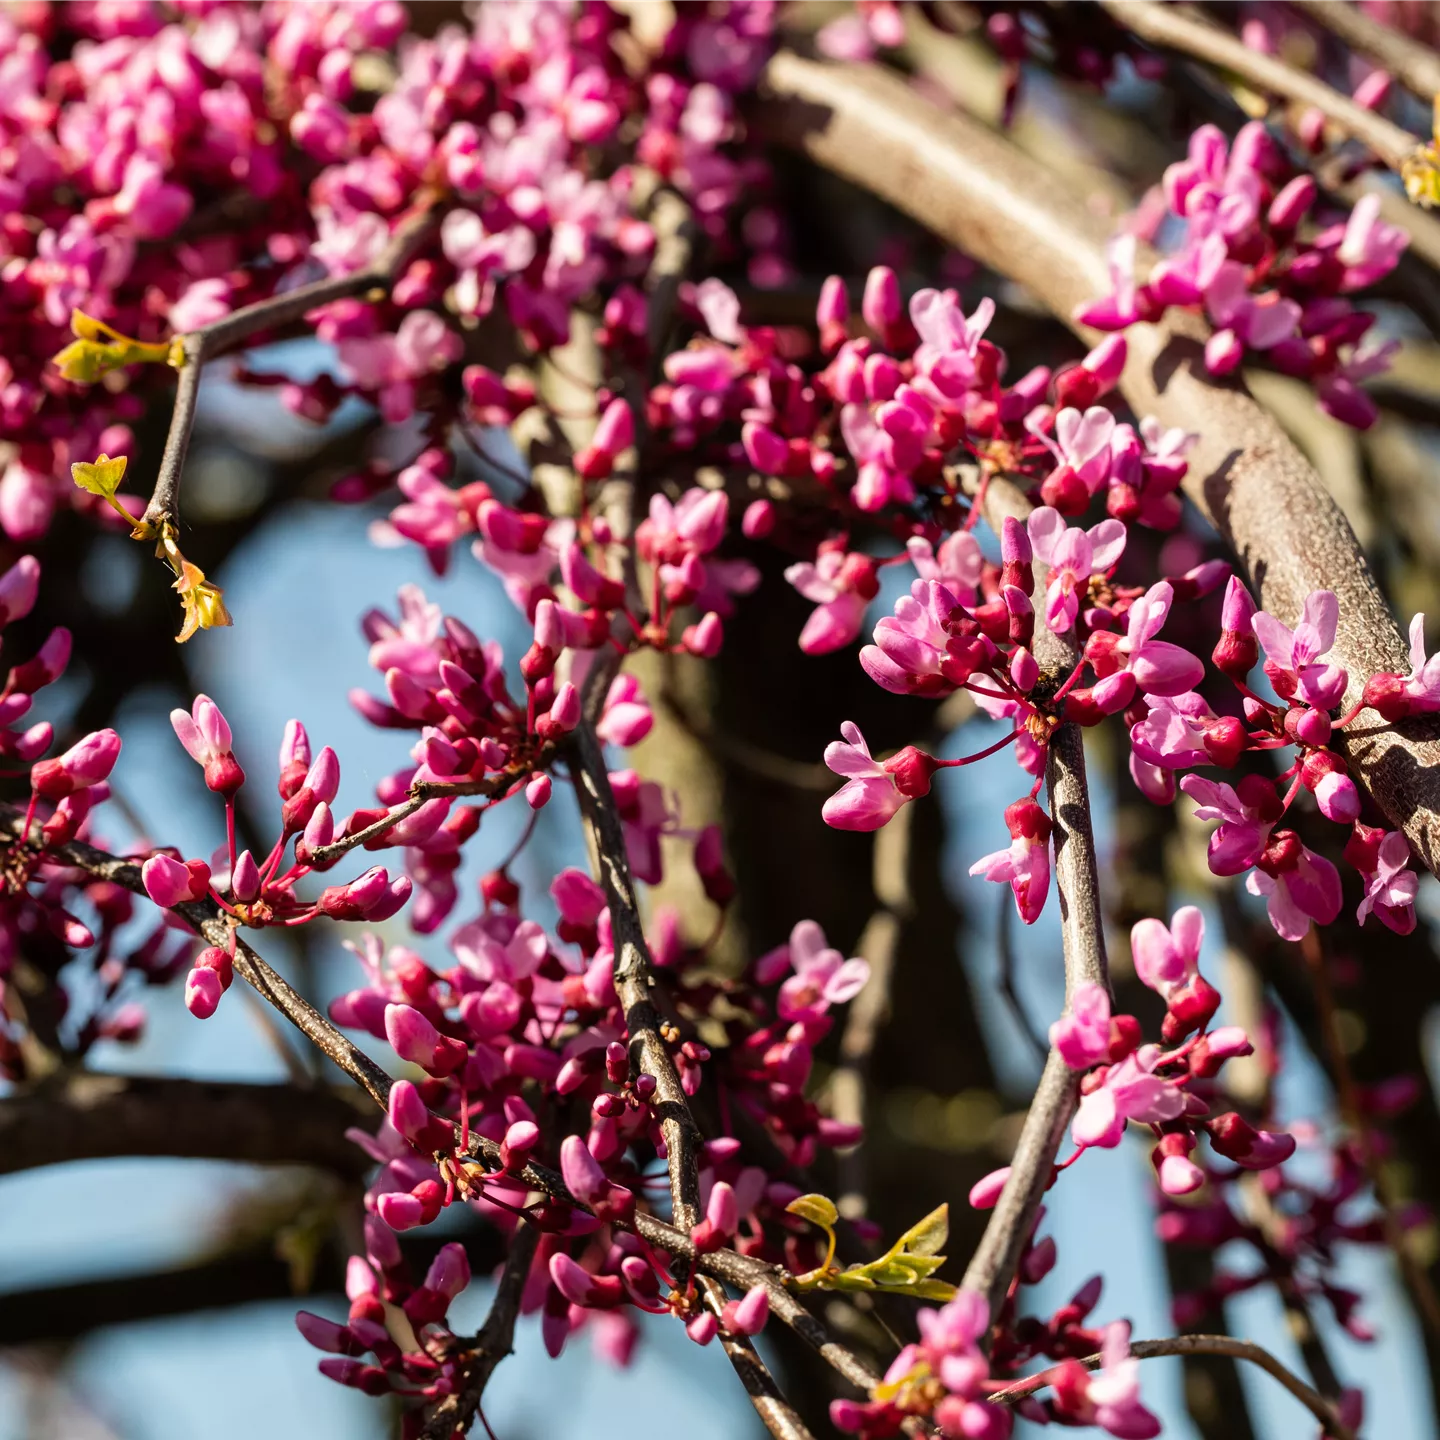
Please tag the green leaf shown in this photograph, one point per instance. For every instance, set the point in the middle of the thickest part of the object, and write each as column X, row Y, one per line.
column 933, row 1290
column 816, row 1208
column 930, row 1235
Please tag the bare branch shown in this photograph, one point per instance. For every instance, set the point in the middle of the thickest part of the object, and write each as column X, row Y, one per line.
column 1246, row 475
column 1311, row 1399
column 232, row 330
column 494, row 1342
column 90, row 1116
column 1168, row 28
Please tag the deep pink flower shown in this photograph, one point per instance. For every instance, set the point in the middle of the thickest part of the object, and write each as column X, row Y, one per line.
column 1292, row 657
column 1137, row 661
column 1025, row 866
column 1082, row 1035
column 869, row 796
column 1246, row 819
column 1304, row 887
column 206, row 737
column 1127, row 1091
column 822, row 978
column 1383, row 860
column 1073, row 556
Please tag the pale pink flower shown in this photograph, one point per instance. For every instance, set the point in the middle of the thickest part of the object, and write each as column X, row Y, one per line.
column 1308, row 890
column 869, row 796
column 1293, row 657
column 1082, row 1036
column 1127, row 1091
column 1073, row 556
column 822, row 978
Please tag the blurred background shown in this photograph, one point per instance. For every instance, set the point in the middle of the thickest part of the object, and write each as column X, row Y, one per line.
column 150, row 1299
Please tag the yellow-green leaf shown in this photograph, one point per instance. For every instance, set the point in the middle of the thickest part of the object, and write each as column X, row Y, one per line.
column 101, row 477
column 933, row 1290
column 930, row 1235
column 816, row 1208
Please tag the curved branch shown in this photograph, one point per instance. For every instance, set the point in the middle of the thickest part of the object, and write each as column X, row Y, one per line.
column 92, row 1116
column 1415, row 66
column 1166, row 27
column 1311, row 1399
column 976, row 190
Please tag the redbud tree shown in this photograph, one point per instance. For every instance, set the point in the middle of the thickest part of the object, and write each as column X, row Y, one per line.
column 838, row 397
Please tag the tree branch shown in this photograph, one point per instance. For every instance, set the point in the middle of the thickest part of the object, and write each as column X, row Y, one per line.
column 494, row 1342
column 1167, row 28
column 231, row 331
column 1415, row 66
column 735, row 1269
column 1311, row 1399
column 1246, row 476
column 91, row 1116
column 635, row 977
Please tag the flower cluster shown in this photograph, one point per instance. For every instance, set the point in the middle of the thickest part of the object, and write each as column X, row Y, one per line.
column 1270, row 285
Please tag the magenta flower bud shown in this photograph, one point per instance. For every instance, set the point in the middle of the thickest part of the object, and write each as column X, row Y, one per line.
column 833, row 306
column 1106, row 362
column 35, row 741
column 722, row 1211
column 1373, row 91
column 984, row 1193
column 400, row 1211
column 1024, row 671
column 765, row 450
column 537, row 791
column 519, row 1145
column 549, row 633
column 565, row 708
column 880, row 305
column 1224, row 350
column 584, row 1178
column 167, row 881
column 572, row 1076
column 1338, row 798
column 202, row 993
column 747, row 1316
column 1249, row 1148
column 45, row 666
column 87, row 762
column 19, row 587
column 703, row 1328
column 1237, row 650
column 323, row 777
column 294, row 758
column 1288, row 208
column 617, row 1062
column 1016, row 554
column 245, row 881
column 320, row 828
column 449, row 1271
column 1179, row 1175
column 579, row 899
column 415, row 1039
column 758, row 520
column 407, row 1111
column 705, row 638
column 326, row 1335
column 616, row 429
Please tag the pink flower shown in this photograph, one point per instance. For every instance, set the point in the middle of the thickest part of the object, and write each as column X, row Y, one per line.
column 1167, row 958
column 1383, row 860
column 1137, row 661
column 1082, row 1036
column 822, row 976
column 1073, row 556
column 1114, row 1390
column 869, row 796
column 1181, row 730
column 1292, row 656
column 1246, row 819
column 958, row 563
column 1127, row 1091
column 1119, row 309
column 206, row 737
column 1369, row 247
column 912, row 653
column 627, row 718
column 1082, row 443
column 87, row 762
column 1303, row 887
column 1025, row 866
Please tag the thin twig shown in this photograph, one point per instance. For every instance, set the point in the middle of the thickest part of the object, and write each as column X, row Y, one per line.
column 1311, row 1399
column 230, row 331
column 494, row 1342
column 1414, row 65
column 1166, row 27
column 776, row 1413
